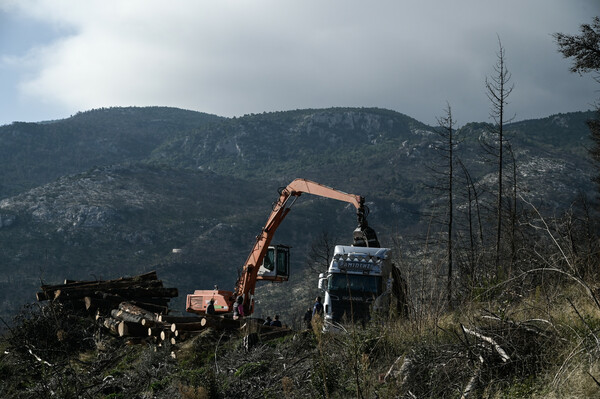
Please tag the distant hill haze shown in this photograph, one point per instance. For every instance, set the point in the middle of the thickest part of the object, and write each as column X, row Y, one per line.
column 111, row 192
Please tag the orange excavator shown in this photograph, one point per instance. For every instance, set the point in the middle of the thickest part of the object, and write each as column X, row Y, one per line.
column 271, row 263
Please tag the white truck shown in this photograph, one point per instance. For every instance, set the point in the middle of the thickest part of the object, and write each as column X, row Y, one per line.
column 356, row 281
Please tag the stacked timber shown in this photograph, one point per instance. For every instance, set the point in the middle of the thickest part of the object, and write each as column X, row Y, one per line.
column 175, row 329
column 142, row 289
column 185, row 327
column 137, row 307
column 126, row 306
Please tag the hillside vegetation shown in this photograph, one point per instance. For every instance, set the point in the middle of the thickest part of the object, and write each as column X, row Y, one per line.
column 113, row 191
column 532, row 336
column 514, row 320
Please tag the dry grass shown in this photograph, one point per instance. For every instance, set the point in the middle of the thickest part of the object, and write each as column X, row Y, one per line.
column 188, row 392
column 551, row 337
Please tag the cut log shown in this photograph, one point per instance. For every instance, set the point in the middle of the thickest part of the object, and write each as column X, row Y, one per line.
column 111, row 325
column 93, row 304
column 50, row 291
column 129, row 329
column 151, row 307
column 127, row 292
column 187, row 326
column 156, row 305
column 126, row 316
column 144, row 291
column 136, row 310
column 150, row 276
column 165, row 335
column 97, row 302
column 148, row 323
column 154, row 331
column 178, row 319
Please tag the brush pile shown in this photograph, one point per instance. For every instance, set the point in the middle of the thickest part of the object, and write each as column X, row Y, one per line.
column 492, row 351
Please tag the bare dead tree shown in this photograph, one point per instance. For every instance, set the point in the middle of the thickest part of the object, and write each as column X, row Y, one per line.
column 447, row 134
column 443, row 183
column 513, row 212
column 498, row 89
column 321, row 251
column 473, row 217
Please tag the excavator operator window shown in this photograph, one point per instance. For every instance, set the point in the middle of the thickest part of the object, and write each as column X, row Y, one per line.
column 283, row 261
column 276, row 264
column 269, row 262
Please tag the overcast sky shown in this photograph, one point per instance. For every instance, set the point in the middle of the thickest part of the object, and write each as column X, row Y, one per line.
column 235, row 57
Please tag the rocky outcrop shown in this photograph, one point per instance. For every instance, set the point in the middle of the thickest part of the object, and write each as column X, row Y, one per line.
column 7, row 220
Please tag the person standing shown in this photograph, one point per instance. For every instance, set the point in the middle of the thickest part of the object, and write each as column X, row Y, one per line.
column 307, row 318
column 238, row 308
column 317, row 307
column 210, row 309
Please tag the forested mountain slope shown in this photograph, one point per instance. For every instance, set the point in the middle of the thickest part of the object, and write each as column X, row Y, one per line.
column 113, row 191
column 32, row 154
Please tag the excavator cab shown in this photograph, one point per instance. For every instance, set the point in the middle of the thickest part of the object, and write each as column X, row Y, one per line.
column 276, row 264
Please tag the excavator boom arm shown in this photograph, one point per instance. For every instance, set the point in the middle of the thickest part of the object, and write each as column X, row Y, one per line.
column 247, row 281
column 244, row 287
column 310, row 187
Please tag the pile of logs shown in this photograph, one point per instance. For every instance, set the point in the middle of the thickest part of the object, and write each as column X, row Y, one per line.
column 138, row 307
column 175, row 329
column 145, row 290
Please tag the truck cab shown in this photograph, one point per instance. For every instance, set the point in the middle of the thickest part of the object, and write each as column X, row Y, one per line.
column 355, row 278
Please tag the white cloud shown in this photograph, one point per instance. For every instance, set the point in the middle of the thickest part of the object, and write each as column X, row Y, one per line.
column 234, row 57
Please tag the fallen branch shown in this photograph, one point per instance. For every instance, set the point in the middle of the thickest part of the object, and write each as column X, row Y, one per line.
column 593, row 378
column 472, row 384
column 522, row 325
column 391, row 369
column 39, row 359
column 401, row 374
column 503, row 355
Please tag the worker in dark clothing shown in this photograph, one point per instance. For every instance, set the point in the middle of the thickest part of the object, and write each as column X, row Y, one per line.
column 210, row 309
column 276, row 322
column 317, row 308
column 307, row 318
column 267, row 322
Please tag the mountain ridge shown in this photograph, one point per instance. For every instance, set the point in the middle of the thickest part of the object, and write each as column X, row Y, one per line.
column 115, row 190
